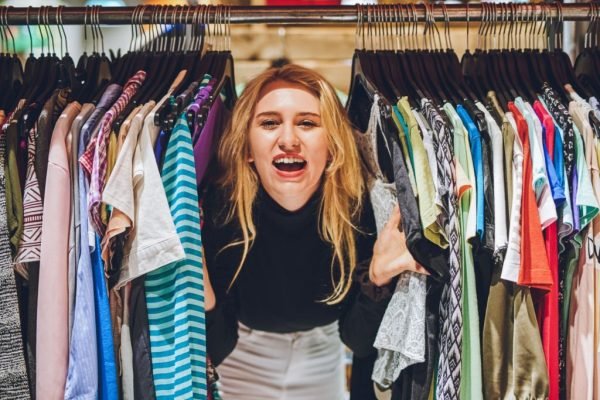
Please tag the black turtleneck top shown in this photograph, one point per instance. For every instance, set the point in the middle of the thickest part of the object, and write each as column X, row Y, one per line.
column 285, row 276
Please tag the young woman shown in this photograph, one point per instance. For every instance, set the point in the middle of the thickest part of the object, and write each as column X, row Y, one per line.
column 290, row 246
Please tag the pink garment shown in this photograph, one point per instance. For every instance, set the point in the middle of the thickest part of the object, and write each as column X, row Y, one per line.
column 53, row 297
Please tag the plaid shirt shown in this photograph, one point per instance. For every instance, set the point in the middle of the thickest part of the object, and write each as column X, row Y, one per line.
column 110, row 95
column 99, row 166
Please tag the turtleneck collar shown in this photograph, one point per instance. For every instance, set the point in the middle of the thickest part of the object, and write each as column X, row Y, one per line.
column 277, row 216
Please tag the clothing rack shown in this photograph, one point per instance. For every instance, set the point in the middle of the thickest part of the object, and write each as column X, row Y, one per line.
column 293, row 15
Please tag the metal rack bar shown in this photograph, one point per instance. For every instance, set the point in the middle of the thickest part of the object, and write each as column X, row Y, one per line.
column 276, row 15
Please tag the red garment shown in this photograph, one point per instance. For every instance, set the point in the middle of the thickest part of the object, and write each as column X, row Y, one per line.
column 547, row 310
column 535, row 270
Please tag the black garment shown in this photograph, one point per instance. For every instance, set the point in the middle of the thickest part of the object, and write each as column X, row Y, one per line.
column 483, row 250
column 143, row 381
column 563, row 118
column 285, row 276
column 361, row 384
column 50, row 113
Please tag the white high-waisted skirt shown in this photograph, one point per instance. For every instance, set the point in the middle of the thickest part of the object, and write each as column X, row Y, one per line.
column 284, row 366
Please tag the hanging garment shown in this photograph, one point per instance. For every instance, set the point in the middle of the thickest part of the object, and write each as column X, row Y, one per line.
column 14, row 199
column 563, row 118
column 205, row 146
column 108, row 386
column 541, row 175
column 30, row 246
column 154, row 241
column 548, row 308
column 498, row 181
column 581, row 338
column 52, row 109
column 483, row 243
column 512, row 260
column 417, row 380
column 471, row 380
column 534, row 269
column 53, row 302
column 175, row 292
column 13, row 369
column 424, row 182
column 430, row 143
column 95, row 157
column 119, row 193
column 82, row 376
column 400, row 339
column 451, row 333
column 152, row 244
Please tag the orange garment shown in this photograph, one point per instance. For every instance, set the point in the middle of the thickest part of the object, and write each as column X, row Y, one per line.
column 535, row 269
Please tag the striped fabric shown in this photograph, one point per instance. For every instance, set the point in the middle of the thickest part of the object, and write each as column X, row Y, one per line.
column 100, row 163
column 175, row 292
column 31, row 241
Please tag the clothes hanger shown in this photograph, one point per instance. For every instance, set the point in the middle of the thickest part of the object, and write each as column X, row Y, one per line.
column 413, row 60
column 362, row 90
column 586, row 63
column 175, row 63
column 386, row 57
column 52, row 79
column 15, row 71
column 40, row 66
column 165, row 117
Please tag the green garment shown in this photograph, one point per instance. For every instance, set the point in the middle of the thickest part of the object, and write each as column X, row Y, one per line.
column 471, row 386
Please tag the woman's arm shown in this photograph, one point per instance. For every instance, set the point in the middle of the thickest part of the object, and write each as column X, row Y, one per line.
column 366, row 303
column 220, row 304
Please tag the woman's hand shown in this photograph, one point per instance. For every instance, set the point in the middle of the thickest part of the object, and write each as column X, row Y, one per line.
column 210, row 300
column 390, row 254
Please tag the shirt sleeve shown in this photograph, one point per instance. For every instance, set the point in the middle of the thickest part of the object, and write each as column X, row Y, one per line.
column 365, row 303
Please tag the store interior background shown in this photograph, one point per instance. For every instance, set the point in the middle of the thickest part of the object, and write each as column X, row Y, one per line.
column 327, row 49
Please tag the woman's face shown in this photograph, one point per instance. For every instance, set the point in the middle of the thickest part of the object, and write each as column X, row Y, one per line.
column 288, row 144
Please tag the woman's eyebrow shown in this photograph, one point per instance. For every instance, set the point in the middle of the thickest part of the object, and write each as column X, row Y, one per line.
column 267, row 114
column 309, row 114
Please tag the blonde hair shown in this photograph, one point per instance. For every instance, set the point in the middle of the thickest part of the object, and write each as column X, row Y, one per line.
column 343, row 184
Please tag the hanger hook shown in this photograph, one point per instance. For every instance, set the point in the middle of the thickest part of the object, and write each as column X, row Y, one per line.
column 447, row 39
column 133, row 14
column 56, row 19
column 39, row 25
column 61, row 28
column 426, row 26
column 182, row 29
column 3, row 27
column 50, row 29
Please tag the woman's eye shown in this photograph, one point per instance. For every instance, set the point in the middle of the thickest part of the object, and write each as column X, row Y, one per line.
column 269, row 124
column 307, row 123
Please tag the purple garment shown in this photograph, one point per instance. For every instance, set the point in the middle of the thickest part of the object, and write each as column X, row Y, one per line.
column 211, row 130
column 576, row 222
column 160, row 147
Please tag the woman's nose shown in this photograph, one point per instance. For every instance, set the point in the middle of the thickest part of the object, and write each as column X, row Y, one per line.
column 288, row 138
